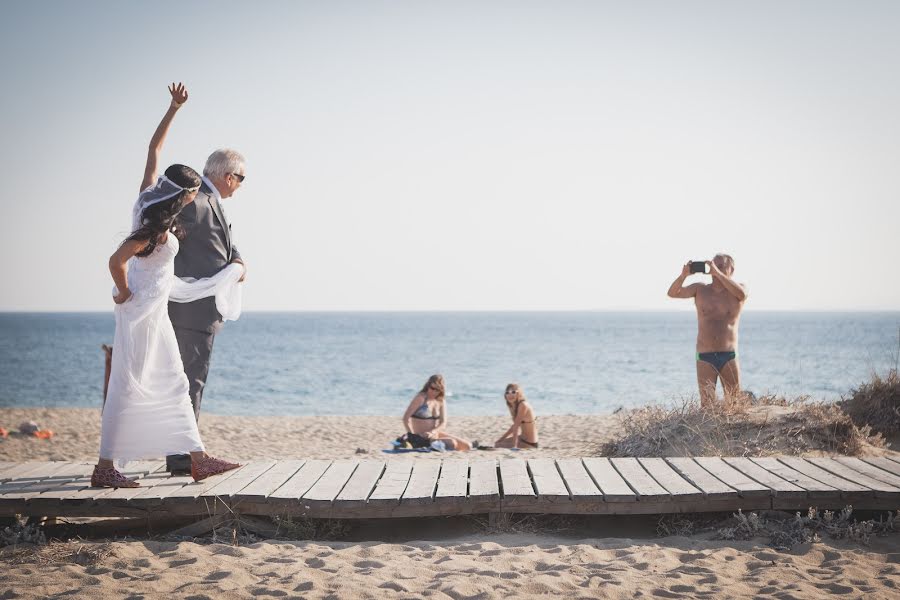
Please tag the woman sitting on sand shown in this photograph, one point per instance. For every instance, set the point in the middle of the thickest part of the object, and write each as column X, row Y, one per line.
column 148, row 412
column 523, row 431
column 426, row 417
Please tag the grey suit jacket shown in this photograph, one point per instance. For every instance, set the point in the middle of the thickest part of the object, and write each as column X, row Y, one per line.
column 205, row 250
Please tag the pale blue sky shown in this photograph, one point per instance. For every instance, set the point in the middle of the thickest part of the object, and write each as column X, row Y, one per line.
column 467, row 155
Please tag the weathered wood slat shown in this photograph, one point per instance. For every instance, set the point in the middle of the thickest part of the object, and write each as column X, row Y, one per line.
column 260, row 489
column 777, row 486
column 578, row 480
column 745, row 486
column 515, row 481
column 79, row 491
column 548, row 483
column 872, row 471
column 608, row 480
column 670, row 480
column 326, row 489
column 422, row 483
column 814, row 488
column 705, row 481
column 884, row 464
column 29, row 473
column 189, row 493
column 846, row 488
column 453, row 482
column 33, row 489
column 300, row 483
column 483, row 480
column 881, row 488
column 360, row 485
column 893, row 457
column 393, row 483
column 242, row 477
column 640, row 481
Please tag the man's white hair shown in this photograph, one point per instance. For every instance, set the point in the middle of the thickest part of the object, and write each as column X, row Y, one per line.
column 727, row 258
column 223, row 161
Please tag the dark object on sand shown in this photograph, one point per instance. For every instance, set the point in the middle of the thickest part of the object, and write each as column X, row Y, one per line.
column 107, row 350
column 29, row 428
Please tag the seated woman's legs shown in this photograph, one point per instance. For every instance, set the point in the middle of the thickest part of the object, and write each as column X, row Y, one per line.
column 458, row 443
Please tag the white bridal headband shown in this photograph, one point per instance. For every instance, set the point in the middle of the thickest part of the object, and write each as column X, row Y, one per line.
column 164, row 189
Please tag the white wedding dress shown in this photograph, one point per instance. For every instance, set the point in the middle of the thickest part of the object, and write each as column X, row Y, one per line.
column 148, row 412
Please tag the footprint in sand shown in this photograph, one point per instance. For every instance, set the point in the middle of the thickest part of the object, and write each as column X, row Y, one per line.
column 315, row 563
column 217, row 575
column 393, row 585
column 267, row 592
column 182, row 562
column 306, row 586
column 281, row 561
column 369, row 564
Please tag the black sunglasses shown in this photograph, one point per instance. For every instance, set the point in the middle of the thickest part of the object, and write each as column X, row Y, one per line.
column 239, row 177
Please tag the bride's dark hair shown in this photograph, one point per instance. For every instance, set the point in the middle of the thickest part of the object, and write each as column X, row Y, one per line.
column 162, row 217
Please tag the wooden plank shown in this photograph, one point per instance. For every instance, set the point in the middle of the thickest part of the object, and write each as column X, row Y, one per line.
column 330, row 484
column 484, row 481
column 360, row 485
column 639, row 480
column 745, row 486
column 160, row 490
column 268, row 482
column 243, row 476
column 79, row 491
column 894, row 457
column 30, row 472
column 578, row 480
column 9, row 470
column 453, row 482
column 300, row 483
column 675, row 484
column 393, row 482
column 872, row 471
column 778, row 486
column 189, row 493
column 814, row 489
column 847, row 488
column 548, row 483
column 884, row 464
column 706, row 482
column 608, row 480
column 67, row 473
column 422, row 483
column 882, row 490
column 515, row 480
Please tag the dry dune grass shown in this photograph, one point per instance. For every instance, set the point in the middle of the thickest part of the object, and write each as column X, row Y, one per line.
column 742, row 427
column 876, row 403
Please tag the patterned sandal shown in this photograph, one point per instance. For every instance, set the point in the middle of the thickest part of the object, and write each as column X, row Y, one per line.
column 110, row 477
column 209, row 466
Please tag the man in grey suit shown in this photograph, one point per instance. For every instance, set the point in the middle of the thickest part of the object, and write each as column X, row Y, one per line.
column 205, row 250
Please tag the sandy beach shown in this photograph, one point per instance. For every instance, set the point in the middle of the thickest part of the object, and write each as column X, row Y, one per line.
column 460, row 557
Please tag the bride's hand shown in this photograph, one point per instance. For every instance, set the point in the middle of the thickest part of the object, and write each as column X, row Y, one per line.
column 179, row 94
column 122, row 296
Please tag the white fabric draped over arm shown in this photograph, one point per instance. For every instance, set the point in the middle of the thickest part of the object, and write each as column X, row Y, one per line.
column 223, row 285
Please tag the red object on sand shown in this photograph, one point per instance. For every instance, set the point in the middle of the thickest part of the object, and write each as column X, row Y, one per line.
column 3, row 432
column 44, row 434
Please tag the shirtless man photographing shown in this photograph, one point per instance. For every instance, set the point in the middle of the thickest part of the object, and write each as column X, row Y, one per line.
column 719, row 307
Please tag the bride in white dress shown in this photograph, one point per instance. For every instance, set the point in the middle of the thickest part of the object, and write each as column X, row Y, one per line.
column 148, row 412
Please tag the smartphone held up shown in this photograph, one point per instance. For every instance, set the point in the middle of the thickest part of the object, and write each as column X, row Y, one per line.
column 699, row 266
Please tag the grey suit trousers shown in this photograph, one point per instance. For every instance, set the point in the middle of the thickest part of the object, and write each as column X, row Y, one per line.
column 196, row 350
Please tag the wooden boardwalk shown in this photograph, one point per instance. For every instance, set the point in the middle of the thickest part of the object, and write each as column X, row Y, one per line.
column 453, row 486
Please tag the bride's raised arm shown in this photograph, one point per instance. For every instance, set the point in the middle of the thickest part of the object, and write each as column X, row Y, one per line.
column 179, row 97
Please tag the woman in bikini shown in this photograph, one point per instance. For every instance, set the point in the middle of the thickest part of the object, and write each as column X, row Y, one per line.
column 523, row 431
column 426, row 417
